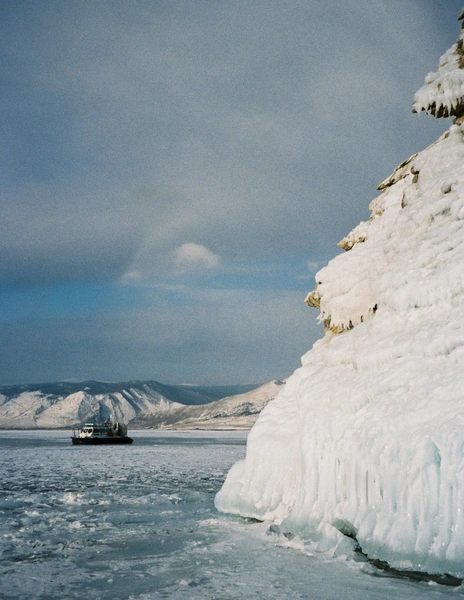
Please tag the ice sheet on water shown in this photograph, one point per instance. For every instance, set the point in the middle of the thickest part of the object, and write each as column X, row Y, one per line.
column 139, row 523
column 69, row 513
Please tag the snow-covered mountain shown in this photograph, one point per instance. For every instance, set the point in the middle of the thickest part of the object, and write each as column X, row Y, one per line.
column 366, row 440
column 234, row 412
column 58, row 405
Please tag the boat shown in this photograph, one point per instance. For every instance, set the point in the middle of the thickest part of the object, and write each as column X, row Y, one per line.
column 93, row 434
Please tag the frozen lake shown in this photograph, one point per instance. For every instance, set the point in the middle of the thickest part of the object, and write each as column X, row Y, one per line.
column 138, row 522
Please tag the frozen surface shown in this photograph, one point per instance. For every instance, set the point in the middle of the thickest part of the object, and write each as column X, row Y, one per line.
column 139, row 523
column 367, row 437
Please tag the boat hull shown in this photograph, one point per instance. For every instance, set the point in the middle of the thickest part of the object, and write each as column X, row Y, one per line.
column 103, row 441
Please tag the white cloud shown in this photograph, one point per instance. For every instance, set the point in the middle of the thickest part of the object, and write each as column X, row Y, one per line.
column 313, row 266
column 191, row 124
column 191, row 256
column 130, row 128
column 132, row 277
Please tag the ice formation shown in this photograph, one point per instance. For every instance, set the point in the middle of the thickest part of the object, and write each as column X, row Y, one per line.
column 367, row 437
column 443, row 92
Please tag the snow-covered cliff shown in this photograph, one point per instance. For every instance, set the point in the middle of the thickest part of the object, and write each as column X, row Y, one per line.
column 238, row 412
column 141, row 404
column 367, row 437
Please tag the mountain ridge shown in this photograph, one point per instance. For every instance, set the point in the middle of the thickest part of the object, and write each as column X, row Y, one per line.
column 232, row 412
column 186, row 394
column 144, row 403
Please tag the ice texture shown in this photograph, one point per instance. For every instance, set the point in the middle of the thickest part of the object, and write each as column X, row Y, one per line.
column 442, row 95
column 367, row 437
column 138, row 523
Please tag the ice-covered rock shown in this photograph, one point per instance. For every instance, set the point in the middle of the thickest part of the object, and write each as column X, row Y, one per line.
column 442, row 95
column 367, row 437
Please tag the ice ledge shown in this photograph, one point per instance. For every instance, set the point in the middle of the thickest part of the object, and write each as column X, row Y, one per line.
column 442, row 95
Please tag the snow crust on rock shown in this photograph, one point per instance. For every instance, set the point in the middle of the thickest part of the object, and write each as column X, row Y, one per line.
column 367, row 437
column 442, row 95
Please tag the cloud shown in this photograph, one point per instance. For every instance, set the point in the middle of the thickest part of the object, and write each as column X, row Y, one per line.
column 191, row 256
column 259, row 130
column 129, row 128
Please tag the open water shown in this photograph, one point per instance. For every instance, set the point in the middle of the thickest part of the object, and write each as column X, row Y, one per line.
column 138, row 523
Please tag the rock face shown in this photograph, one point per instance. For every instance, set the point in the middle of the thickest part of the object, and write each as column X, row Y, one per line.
column 367, row 437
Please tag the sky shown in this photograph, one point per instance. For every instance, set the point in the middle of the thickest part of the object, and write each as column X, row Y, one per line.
column 175, row 172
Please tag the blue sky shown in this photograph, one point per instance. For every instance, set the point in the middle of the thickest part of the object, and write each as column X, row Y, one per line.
column 174, row 173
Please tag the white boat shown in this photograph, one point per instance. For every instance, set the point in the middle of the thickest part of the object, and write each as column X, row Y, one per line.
column 108, row 433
